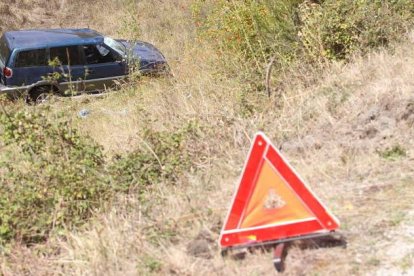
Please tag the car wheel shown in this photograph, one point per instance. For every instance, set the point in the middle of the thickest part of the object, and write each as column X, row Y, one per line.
column 39, row 95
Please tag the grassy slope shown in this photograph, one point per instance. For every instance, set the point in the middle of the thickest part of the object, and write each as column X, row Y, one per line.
column 341, row 132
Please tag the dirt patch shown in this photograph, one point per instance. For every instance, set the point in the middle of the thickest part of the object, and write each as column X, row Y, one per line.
column 400, row 249
column 407, row 113
column 42, row 14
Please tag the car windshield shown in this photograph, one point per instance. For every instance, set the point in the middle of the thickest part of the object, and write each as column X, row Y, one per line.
column 116, row 45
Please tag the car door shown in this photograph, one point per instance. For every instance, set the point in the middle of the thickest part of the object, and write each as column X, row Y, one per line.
column 68, row 68
column 103, row 67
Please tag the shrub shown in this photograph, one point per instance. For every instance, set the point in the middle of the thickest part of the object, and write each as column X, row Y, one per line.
column 50, row 176
column 251, row 30
column 335, row 29
column 393, row 153
column 162, row 157
column 305, row 30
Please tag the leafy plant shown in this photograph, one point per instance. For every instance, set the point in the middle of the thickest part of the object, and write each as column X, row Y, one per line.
column 152, row 264
column 305, row 30
column 252, row 30
column 393, row 153
column 163, row 156
column 335, row 29
column 50, row 177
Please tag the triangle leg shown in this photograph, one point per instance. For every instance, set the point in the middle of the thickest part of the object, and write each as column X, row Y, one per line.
column 279, row 254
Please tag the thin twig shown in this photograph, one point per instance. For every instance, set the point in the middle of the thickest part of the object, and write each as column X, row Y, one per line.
column 268, row 72
column 5, row 111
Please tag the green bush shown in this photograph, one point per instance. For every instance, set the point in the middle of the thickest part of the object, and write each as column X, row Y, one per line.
column 162, row 157
column 335, row 29
column 51, row 177
column 251, row 30
column 393, row 153
column 300, row 30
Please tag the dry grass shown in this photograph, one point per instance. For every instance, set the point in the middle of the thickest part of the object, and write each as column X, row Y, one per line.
column 336, row 133
column 341, row 132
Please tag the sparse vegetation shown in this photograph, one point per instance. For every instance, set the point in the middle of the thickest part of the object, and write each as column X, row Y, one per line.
column 300, row 30
column 334, row 30
column 51, row 178
column 162, row 157
column 393, row 153
column 141, row 184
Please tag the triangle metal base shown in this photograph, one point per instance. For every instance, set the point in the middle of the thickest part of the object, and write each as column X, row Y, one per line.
column 280, row 247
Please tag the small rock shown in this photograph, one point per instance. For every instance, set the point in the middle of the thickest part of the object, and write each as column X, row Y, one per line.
column 84, row 113
column 200, row 246
column 199, row 249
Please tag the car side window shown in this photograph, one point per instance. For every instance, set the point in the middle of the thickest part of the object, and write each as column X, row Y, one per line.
column 31, row 58
column 66, row 55
column 95, row 54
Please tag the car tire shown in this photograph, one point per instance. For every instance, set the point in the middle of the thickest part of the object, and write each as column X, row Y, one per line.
column 39, row 95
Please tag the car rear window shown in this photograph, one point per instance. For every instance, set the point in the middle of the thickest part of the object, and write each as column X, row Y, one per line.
column 66, row 55
column 31, row 58
column 4, row 51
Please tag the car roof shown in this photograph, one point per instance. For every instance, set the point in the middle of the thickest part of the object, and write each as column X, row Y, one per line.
column 39, row 38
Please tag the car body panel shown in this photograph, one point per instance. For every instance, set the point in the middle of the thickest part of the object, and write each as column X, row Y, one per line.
column 42, row 38
column 71, row 78
column 148, row 56
column 25, row 76
column 101, row 76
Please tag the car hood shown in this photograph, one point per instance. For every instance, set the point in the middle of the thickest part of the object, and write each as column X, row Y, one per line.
column 143, row 51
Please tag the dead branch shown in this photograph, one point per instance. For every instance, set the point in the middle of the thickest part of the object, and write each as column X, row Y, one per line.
column 268, row 73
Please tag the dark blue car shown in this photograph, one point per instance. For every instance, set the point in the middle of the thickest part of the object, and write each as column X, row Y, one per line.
column 36, row 63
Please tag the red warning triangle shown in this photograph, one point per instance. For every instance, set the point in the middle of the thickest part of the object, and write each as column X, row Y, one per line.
column 272, row 202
